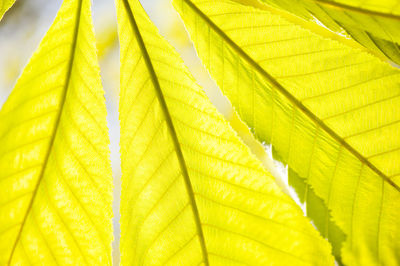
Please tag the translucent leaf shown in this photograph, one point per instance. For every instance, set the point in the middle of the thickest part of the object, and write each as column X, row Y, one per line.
column 192, row 193
column 55, row 200
column 331, row 112
column 318, row 212
column 375, row 24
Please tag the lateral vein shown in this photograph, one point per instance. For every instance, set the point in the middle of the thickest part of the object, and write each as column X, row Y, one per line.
column 55, row 129
column 289, row 96
column 171, row 129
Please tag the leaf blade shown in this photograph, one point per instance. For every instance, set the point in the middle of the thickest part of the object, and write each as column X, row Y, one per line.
column 373, row 25
column 4, row 6
column 233, row 193
column 171, row 128
column 248, row 50
column 63, row 118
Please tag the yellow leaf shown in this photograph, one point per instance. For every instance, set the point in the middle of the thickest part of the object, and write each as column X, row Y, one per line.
column 375, row 24
column 4, row 6
column 331, row 112
column 192, row 193
column 55, row 204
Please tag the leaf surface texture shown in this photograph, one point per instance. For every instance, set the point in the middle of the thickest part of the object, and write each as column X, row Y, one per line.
column 375, row 24
column 191, row 191
column 331, row 112
column 55, row 204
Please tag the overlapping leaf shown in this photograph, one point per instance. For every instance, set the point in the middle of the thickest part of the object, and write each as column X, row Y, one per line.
column 191, row 191
column 375, row 24
column 55, row 201
column 332, row 113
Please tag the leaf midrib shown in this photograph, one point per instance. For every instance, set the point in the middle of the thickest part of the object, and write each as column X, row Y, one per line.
column 288, row 95
column 171, row 129
column 56, row 126
column 311, row 26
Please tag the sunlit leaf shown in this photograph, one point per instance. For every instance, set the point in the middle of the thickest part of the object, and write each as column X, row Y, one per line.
column 55, row 200
column 4, row 6
column 192, row 193
column 319, row 213
column 375, row 24
column 331, row 112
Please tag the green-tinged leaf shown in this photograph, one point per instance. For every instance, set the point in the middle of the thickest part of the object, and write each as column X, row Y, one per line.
column 375, row 24
column 331, row 112
column 4, row 6
column 55, row 202
column 317, row 211
column 192, row 193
